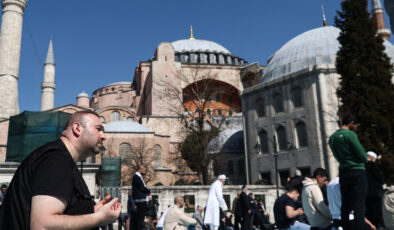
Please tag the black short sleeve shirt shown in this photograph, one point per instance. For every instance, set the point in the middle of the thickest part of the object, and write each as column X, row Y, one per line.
column 281, row 219
column 49, row 170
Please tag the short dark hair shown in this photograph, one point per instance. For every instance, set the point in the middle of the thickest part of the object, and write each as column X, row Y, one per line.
column 320, row 172
column 79, row 117
column 291, row 189
column 250, row 193
column 346, row 119
column 3, row 186
column 243, row 186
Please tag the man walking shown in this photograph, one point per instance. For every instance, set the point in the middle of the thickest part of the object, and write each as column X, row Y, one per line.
column 315, row 209
column 48, row 191
column 215, row 201
column 351, row 156
column 237, row 211
column 246, row 210
column 140, row 196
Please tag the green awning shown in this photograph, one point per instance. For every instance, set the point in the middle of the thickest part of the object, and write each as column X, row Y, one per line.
column 110, row 171
column 29, row 130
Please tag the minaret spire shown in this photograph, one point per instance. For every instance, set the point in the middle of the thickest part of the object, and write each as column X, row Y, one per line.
column 323, row 15
column 191, row 33
column 10, row 47
column 378, row 18
column 48, row 84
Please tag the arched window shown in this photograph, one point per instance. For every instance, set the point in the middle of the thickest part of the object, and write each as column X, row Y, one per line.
column 157, row 160
column 115, row 116
column 296, row 97
column 209, row 111
column 102, row 119
column 302, row 135
column 125, row 151
column 220, row 112
column 278, row 103
column 260, row 107
column 263, row 141
column 282, row 139
column 230, row 112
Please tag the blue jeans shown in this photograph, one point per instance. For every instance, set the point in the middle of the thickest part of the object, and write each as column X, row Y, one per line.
column 354, row 186
column 299, row 226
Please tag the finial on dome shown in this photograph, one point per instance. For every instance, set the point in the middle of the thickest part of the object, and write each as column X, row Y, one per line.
column 191, row 33
column 324, row 15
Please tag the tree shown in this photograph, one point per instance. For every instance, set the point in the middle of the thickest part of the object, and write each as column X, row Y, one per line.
column 196, row 96
column 365, row 88
column 132, row 158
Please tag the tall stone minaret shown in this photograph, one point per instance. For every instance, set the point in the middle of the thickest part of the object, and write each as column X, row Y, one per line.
column 10, row 47
column 48, row 84
column 378, row 18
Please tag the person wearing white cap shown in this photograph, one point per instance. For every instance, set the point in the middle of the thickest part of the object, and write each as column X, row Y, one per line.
column 215, row 201
column 375, row 191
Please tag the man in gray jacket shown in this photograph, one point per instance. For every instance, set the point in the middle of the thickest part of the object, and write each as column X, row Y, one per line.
column 315, row 209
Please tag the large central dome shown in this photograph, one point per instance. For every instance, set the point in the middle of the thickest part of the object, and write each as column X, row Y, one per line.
column 197, row 51
column 188, row 45
column 314, row 47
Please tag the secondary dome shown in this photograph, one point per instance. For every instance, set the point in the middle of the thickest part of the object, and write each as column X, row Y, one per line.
column 187, row 45
column 314, row 47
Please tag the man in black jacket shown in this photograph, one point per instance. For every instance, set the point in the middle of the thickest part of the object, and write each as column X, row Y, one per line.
column 140, row 196
column 245, row 209
column 375, row 191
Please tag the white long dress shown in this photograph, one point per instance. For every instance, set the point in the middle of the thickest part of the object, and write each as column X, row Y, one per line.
column 214, row 201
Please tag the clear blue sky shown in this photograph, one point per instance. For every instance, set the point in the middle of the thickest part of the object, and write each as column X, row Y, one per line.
column 99, row 42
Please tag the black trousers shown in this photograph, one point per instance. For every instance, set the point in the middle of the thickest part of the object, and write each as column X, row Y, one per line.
column 237, row 221
column 246, row 221
column 138, row 216
column 353, row 185
column 374, row 210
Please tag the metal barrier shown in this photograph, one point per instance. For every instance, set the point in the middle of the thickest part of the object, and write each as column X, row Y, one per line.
column 113, row 190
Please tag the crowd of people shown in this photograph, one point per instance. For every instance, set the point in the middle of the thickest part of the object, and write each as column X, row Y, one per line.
column 48, row 192
column 353, row 200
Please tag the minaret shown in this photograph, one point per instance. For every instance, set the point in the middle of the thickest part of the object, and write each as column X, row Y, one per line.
column 378, row 18
column 48, row 85
column 323, row 15
column 10, row 47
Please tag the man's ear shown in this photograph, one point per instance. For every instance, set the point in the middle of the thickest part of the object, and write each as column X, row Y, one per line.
column 77, row 129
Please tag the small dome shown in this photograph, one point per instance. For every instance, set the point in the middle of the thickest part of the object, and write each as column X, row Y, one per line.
column 127, row 126
column 228, row 141
column 187, row 45
column 83, row 94
column 314, row 47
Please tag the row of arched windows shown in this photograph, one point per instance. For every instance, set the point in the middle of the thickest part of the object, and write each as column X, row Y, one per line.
column 278, row 102
column 126, row 153
column 301, row 138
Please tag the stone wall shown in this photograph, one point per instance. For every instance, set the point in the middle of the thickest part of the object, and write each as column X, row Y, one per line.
column 165, row 195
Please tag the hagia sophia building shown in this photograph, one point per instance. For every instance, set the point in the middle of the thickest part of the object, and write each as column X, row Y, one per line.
column 288, row 99
column 138, row 112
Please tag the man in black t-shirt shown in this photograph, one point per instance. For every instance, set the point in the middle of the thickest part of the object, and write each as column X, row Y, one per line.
column 285, row 212
column 47, row 190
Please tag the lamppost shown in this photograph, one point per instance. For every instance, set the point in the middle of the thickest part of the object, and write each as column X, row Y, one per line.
column 275, row 154
column 276, row 164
